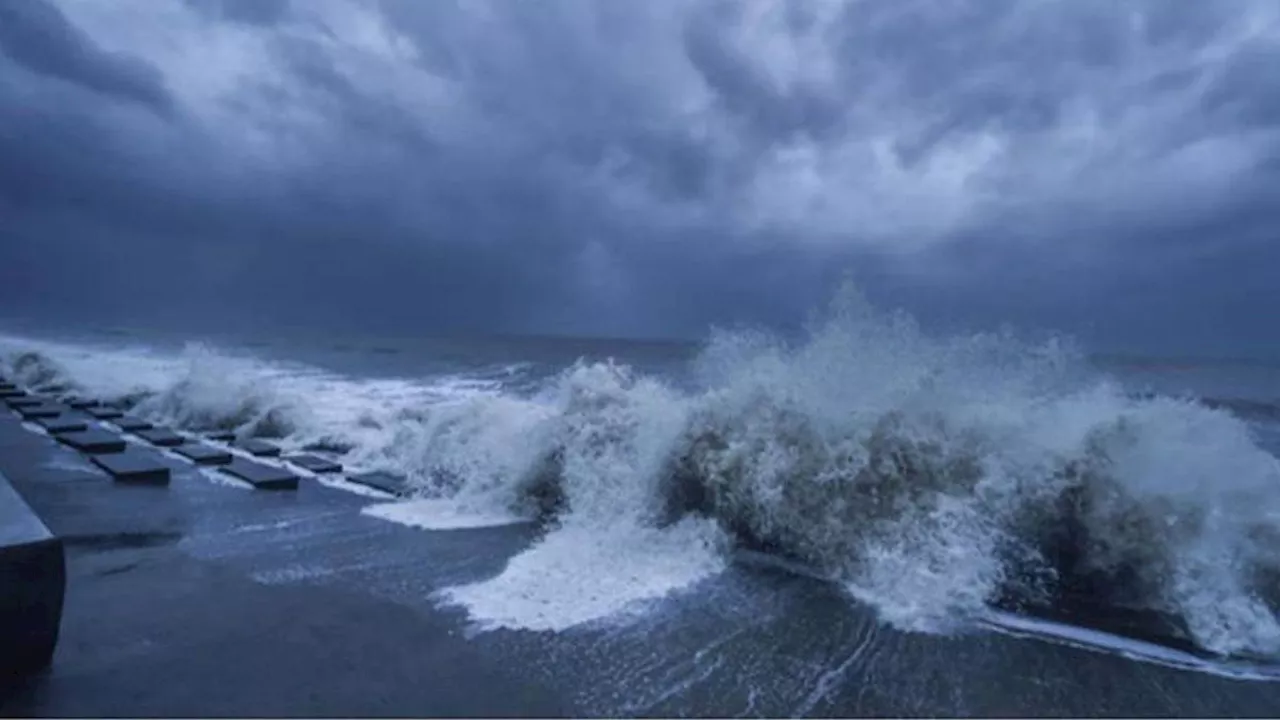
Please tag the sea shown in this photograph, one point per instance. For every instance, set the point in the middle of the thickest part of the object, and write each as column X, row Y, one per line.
column 941, row 483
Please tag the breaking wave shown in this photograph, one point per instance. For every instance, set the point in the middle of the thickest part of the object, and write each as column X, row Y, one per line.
column 934, row 478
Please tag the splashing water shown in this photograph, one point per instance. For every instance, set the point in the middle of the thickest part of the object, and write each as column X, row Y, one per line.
column 931, row 477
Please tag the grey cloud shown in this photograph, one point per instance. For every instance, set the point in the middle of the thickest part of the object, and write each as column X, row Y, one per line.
column 38, row 36
column 253, row 12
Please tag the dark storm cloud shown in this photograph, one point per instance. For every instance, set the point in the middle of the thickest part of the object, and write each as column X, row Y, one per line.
column 37, row 36
column 644, row 167
column 254, row 12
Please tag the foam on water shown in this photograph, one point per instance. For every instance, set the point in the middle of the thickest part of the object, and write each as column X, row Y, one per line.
column 932, row 477
column 1141, row 651
column 442, row 514
column 576, row 575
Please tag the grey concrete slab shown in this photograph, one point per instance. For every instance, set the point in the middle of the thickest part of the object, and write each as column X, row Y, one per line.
column 32, row 588
column 385, row 482
column 105, row 413
column 223, row 436
column 134, row 466
column 131, row 424
column 36, row 412
column 204, row 454
column 93, row 442
column 24, row 400
column 62, row 424
column 162, row 437
column 315, row 464
column 262, row 477
column 260, row 448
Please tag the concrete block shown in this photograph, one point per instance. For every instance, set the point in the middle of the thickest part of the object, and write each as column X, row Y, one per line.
column 81, row 403
column 131, row 424
column 134, row 466
column 24, row 400
column 105, row 413
column 36, row 412
column 260, row 448
column 62, row 424
column 162, row 437
column 204, row 454
column 93, row 442
column 33, row 582
column 315, row 464
column 223, row 436
column 385, row 482
column 262, row 477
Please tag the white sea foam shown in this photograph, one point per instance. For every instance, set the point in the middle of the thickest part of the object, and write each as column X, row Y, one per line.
column 581, row 575
column 443, row 514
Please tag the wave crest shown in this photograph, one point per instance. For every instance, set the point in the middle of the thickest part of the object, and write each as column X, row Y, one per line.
column 932, row 477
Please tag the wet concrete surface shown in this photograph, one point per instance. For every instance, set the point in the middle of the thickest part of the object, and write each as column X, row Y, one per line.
column 209, row 598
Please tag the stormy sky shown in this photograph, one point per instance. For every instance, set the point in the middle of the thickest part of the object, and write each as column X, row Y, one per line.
column 1107, row 169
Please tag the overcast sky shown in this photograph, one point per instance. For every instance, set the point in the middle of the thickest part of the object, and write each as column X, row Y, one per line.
column 1110, row 169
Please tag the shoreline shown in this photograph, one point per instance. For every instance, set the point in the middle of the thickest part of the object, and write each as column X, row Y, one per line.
column 204, row 599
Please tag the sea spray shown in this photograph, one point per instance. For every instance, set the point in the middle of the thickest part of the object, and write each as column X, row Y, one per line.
column 930, row 476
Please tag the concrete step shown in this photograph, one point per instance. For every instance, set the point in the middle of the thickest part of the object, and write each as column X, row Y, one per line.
column 204, row 454
column 262, row 477
column 134, row 466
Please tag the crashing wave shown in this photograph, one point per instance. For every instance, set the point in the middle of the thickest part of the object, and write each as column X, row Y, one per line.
column 932, row 477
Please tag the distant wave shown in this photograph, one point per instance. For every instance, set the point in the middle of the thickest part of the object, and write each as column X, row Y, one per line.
column 1253, row 409
column 934, row 478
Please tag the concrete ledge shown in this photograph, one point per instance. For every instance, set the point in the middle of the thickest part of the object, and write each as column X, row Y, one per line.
column 134, row 466
column 105, row 413
column 262, row 477
column 24, row 400
column 204, row 454
column 37, row 412
column 131, row 424
column 11, row 391
column 315, row 464
column 162, row 437
column 93, row 442
column 62, row 424
column 386, row 482
column 33, row 581
column 259, row 448
column 224, row 436
column 81, row 403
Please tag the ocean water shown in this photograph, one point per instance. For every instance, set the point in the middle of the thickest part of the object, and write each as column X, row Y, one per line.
column 943, row 482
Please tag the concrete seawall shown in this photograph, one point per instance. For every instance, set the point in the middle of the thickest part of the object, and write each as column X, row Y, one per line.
column 32, row 587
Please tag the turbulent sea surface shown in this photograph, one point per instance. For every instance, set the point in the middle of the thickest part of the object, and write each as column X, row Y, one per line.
column 946, row 483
